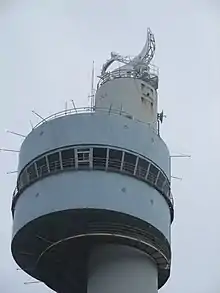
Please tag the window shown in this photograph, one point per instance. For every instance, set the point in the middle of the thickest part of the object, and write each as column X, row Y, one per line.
column 153, row 172
column 99, row 158
column 31, row 172
column 160, row 181
column 166, row 187
column 142, row 168
column 42, row 167
column 129, row 163
column 115, row 157
column 68, row 158
column 83, row 156
column 23, row 180
column 54, row 162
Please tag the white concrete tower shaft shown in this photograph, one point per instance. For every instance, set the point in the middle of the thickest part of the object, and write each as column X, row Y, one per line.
column 129, row 90
column 115, row 268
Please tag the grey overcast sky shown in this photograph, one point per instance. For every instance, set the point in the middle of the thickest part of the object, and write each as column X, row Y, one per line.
column 46, row 53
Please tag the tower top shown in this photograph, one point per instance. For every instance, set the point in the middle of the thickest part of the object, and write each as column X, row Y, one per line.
column 137, row 67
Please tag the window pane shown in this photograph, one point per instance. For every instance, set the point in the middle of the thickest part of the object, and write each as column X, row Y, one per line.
column 99, row 158
column 142, row 168
column 115, row 157
column 23, row 180
column 129, row 163
column 31, row 171
column 54, row 162
column 68, row 158
column 153, row 172
column 166, row 187
column 42, row 166
column 83, row 156
column 160, row 181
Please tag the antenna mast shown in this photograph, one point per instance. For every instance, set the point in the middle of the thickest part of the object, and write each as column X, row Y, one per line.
column 92, row 93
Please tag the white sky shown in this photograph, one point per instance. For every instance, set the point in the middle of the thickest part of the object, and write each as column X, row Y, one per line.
column 46, row 53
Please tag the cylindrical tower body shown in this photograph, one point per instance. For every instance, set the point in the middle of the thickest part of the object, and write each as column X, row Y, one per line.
column 131, row 96
column 115, row 268
column 92, row 209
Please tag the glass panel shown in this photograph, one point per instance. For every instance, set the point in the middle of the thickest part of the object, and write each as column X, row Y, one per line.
column 31, row 171
column 54, row 162
column 83, row 156
column 153, row 172
column 166, row 187
column 115, row 157
column 99, row 158
column 142, row 168
column 129, row 163
column 42, row 167
column 68, row 158
column 23, row 179
column 160, row 181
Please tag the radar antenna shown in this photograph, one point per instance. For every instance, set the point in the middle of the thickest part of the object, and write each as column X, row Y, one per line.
column 140, row 62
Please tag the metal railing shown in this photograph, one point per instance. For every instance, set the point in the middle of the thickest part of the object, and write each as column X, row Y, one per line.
column 94, row 163
column 93, row 110
column 150, row 73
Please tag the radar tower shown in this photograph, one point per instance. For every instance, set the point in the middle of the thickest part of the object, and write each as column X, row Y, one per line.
column 92, row 208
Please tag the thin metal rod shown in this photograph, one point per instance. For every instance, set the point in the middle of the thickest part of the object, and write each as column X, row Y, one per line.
column 180, row 156
column 15, row 133
column 8, row 150
column 178, row 178
column 65, row 108
column 92, row 85
column 121, row 109
column 38, row 115
column 11, row 172
column 32, row 282
column 32, row 127
column 74, row 106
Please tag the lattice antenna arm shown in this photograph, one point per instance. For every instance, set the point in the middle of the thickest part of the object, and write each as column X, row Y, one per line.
column 147, row 53
column 143, row 59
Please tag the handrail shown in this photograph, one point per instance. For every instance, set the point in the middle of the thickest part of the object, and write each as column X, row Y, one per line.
column 91, row 110
column 151, row 73
column 113, row 165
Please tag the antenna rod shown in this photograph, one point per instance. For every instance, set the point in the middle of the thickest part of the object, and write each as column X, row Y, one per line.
column 31, row 124
column 31, row 282
column 15, row 133
column 7, row 150
column 74, row 106
column 38, row 115
column 180, row 156
column 178, row 178
column 11, row 172
column 92, row 85
column 65, row 108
